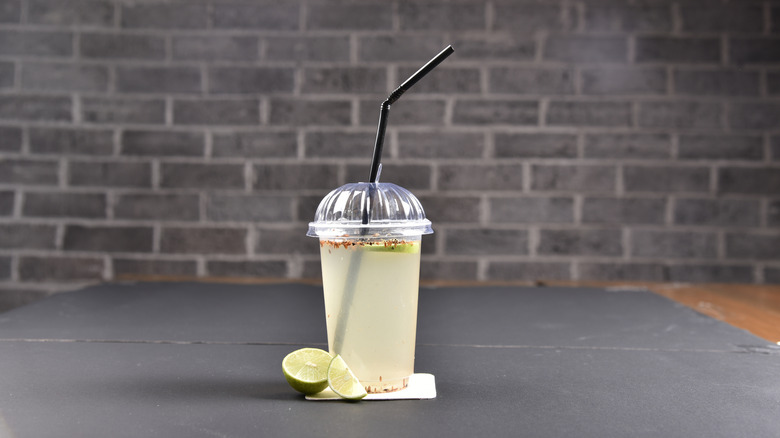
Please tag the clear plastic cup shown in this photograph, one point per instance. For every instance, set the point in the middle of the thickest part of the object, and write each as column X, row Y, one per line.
column 370, row 241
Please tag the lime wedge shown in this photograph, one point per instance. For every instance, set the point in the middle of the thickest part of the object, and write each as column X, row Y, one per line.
column 306, row 370
column 397, row 247
column 343, row 381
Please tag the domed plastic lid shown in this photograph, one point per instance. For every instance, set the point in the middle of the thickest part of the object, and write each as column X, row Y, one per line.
column 369, row 210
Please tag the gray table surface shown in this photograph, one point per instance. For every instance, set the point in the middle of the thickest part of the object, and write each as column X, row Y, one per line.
column 204, row 360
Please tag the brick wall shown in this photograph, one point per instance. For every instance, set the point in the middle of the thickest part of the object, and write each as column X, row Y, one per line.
column 562, row 140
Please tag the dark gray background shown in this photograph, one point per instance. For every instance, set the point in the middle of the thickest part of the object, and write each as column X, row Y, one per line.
column 580, row 140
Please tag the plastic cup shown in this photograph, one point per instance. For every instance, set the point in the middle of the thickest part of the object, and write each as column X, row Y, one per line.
column 370, row 242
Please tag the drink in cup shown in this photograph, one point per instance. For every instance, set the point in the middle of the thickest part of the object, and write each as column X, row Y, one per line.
column 370, row 237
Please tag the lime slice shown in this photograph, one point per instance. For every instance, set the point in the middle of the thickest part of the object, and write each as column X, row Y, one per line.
column 306, row 370
column 343, row 381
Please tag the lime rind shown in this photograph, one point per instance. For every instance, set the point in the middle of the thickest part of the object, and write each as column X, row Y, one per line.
column 401, row 248
column 306, row 370
column 343, row 381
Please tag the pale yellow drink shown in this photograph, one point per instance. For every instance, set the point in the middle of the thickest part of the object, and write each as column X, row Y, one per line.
column 371, row 289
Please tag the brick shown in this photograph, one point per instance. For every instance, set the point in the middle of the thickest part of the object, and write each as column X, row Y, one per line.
column 108, row 239
column 528, row 17
column 480, row 177
column 154, row 267
column 295, row 176
column 241, row 80
column 165, row 16
column 409, row 176
column 576, row 178
column 561, row 113
column 498, row 112
column 71, row 12
column 21, row 171
column 5, row 274
column 310, row 112
column 440, row 145
column 556, row 210
column 307, row 205
column 521, row 80
column 666, row 179
column 680, row 114
column 64, row 77
column 758, row 50
column 32, row 43
column 215, row 47
column 451, row 209
column 216, row 112
column 37, row 269
column 600, row 81
column 6, row 203
column 351, row 80
column 754, row 115
column 26, row 236
column 717, row 212
column 339, row 144
column 388, row 48
column 528, row 271
column 773, row 213
column 7, row 75
column 110, row 174
column 157, row 207
column 10, row 139
column 486, row 241
column 632, row 146
column 623, row 271
column 451, row 270
column 59, row 204
column 120, row 110
column 753, row 246
column 285, row 241
column 247, row 269
column 716, row 82
column 410, row 112
column 445, row 80
column 775, row 148
column 264, row 16
column 721, row 147
column 619, row 211
column 249, row 208
column 70, row 141
column 722, row 18
column 158, row 79
column 620, row 17
column 162, row 143
column 443, row 17
column 773, row 83
column 495, row 46
column 586, row 49
column 350, row 16
column 202, row 176
column 36, row 108
column 674, row 244
column 749, row 180
column 711, row 274
column 122, row 46
column 255, row 144
column 535, row 146
column 580, row 242
column 203, row 240
column 677, row 50
column 10, row 11
column 772, row 275
column 303, row 48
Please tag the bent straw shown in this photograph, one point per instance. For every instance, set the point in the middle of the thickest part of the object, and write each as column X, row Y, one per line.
column 356, row 259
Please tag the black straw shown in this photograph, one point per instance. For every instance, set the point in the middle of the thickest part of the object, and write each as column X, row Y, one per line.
column 395, row 95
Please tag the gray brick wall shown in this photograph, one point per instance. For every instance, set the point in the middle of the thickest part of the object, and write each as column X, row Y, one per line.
column 565, row 139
